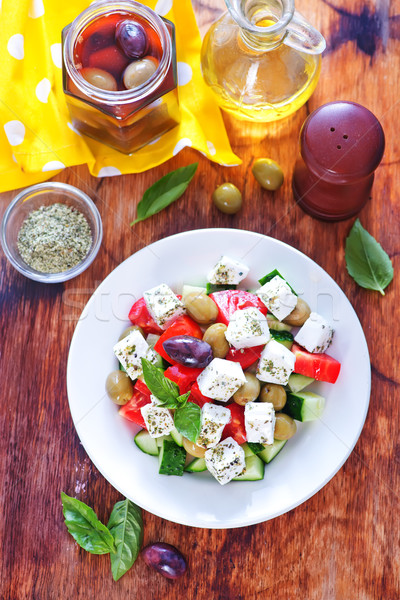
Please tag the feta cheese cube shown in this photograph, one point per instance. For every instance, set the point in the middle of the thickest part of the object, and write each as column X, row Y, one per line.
column 155, row 400
column 163, row 305
column 247, row 328
column 225, row 461
column 129, row 352
column 315, row 335
column 220, row 379
column 213, row 420
column 228, row 271
column 259, row 420
column 276, row 363
column 158, row 420
column 277, row 297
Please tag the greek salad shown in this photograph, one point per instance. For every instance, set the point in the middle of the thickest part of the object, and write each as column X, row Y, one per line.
column 216, row 377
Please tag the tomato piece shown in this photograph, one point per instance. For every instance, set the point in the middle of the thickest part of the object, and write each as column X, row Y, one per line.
column 182, row 326
column 245, row 356
column 131, row 410
column 183, row 376
column 141, row 387
column 321, row 367
column 139, row 315
column 228, row 301
column 197, row 397
column 109, row 59
column 235, row 428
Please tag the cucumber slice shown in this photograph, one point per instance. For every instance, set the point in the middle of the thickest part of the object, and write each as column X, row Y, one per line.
column 270, row 276
column 177, row 437
column 171, row 459
column 159, row 440
column 276, row 325
column 298, row 382
column 188, row 289
column 254, row 470
column 198, row 465
column 270, row 452
column 251, row 448
column 215, row 287
column 304, row 406
column 283, row 337
column 145, row 443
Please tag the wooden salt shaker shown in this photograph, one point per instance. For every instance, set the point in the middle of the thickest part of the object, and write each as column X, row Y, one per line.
column 341, row 145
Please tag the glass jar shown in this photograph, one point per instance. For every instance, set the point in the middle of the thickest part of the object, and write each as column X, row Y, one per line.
column 262, row 59
column 125, row 119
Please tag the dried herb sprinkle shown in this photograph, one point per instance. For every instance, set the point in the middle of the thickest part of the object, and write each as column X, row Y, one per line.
column 54, row 238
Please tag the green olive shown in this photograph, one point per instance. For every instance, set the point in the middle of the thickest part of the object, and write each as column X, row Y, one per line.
column 139, row 72
column 193, row 449
column 227, row 198
column 119, row 387
column 249, row 390
column 271, row 392
column 299, row 314
column 268, row 173
column 285, row 427
column 215, row 336
column 100, row 79
column 201, row 307
column 129, row 330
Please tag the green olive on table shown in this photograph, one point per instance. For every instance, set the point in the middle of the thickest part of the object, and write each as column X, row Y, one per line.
column 193, row 449
column 299, row 314
column 215, row 336
column 285, row 427
column 201, row 308
column 119, row 387
column 268, row 173
column 227, row 198
column 249, row 391
column 129, row 330
column 274, row 393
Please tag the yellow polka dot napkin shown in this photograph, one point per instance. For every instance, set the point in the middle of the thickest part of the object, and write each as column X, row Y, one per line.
column 37, row 139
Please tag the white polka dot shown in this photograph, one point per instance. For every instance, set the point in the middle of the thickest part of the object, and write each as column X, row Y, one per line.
column 15, row 132
column 211, row 148
column 184, row 73
column 53, row 165
column 181, row 144
column 72, row 127
column 108, row 172
column 14, row 159
column 163, row 7
column 36, row 9
column 55, row 50
column 43, row 89
column 15, row 46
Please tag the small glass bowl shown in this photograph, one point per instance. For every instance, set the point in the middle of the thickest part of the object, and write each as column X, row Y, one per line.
column 45, row 194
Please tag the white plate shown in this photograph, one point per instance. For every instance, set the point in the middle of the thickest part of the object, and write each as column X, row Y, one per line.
column 308, row 461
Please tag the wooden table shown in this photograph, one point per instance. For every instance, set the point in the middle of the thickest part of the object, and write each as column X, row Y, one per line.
column 343, row 543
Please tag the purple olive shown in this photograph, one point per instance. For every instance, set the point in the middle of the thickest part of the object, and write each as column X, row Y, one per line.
column 165, row 559
column 131, row 38
column 189, row 351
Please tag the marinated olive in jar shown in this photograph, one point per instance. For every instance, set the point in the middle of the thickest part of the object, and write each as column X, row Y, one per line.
column 119, row 387
column 285, row 427
column 131, row 38
column 227, row 198
column 201, row 307
column 299, row 314
column 193, row 449
column 215, row 336
column 100, row 79
column 274, row 393
column 129, row 330
column 139, row 72
column 268, row 173
column 165, row 559
column 249, row 391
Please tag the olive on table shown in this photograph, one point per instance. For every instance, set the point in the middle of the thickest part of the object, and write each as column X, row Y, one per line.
column 249, row 391
column 99, row 78
column 274, row 393
column 201, row 307
column 129, row 330
column 188, row 351
column 268, row 173
column 165, row 559
column 215, row 336
column 227, row 198
column 193, row 449
column 139, row 72
column 131, row 38
column 119, row 387
column 285, row 427
column 299, row 314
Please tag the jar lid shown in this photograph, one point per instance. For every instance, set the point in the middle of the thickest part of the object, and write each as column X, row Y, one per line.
column 342, row 142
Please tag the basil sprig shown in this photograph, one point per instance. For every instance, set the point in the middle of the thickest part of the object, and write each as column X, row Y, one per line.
column 164, row 191
column 366, row 261
column 187, row 421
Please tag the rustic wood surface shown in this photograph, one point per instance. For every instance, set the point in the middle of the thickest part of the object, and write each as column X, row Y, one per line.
column 343, row 543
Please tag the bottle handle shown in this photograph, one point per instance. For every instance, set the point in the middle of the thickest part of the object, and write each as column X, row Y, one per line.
column 302, row 36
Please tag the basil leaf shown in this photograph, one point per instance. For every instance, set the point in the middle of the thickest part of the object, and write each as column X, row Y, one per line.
column 366, row 261
column 160, row 386
column 84, row 526
column 164, row 191
column 126, row 527
column 187, row 421
column 182, row 400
